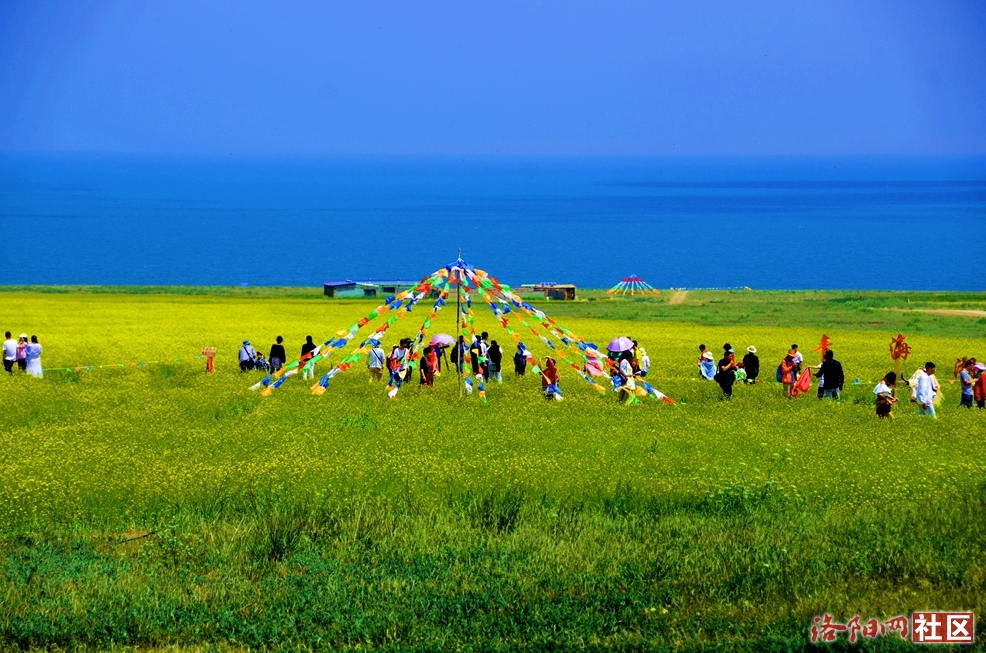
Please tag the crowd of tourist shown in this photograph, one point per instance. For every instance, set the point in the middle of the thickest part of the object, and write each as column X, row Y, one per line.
column 22, row 354
column 795, row 377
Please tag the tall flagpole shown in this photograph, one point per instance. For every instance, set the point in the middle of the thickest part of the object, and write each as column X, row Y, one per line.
column 458, row 322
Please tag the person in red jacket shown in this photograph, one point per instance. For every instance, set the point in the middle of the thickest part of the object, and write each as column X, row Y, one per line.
column 979, row 387
column 549, row 380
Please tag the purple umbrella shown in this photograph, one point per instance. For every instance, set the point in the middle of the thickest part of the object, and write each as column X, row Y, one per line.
column 441, row 339
column 620, row 344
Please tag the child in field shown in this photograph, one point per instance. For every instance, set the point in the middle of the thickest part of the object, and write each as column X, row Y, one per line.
column 885, row 398
column 706, row 363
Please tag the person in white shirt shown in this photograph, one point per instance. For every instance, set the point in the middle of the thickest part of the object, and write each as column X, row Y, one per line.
column 9, row 353
column 628, row 390
column 885, row 398
column 375, row 363
column 484, row 348
column 34, row 358
column 925, row 391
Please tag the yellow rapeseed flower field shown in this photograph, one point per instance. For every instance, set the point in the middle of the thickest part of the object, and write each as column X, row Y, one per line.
column 118, row 440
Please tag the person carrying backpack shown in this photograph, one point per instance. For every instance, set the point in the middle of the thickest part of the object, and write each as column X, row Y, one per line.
column 247, row 356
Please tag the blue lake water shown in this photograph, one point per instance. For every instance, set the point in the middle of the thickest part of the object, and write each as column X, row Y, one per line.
column 763, row 223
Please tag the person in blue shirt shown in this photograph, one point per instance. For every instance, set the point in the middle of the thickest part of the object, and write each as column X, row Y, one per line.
column 965, row 377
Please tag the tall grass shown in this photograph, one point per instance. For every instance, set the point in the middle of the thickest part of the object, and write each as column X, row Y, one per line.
column 742, row 568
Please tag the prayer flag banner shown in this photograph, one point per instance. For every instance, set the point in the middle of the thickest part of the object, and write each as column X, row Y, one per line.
column 585, row 361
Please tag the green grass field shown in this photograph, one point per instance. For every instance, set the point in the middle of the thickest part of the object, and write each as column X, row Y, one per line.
column 151, row 504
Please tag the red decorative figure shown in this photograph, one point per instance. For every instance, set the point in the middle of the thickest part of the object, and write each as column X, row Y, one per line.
column 823, row 346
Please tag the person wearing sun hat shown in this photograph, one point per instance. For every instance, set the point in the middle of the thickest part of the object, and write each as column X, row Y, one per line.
column 751, row 363
column 247, row 356
column 22, row 352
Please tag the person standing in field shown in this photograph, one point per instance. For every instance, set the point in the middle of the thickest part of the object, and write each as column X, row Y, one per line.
column 474, row 352
column 644, row 362
column 427, row 371
column 9, row 353
column 831, row 373
column 495, row 358
column 22, row 352
column 785, row 373
column 924, row 393
column 247, row 356
column 307, row 349
column 726, row 374
column 375, row 362
column 440, row 355
column 33, row 357
column 403, row 352
column 549, row 380
column 393, row 365
column 979, row 388
column 520, row 361
column 706, row 363
column 307, row 353
column 965, row 378
column 751, row 363
column 277, row 356
column 458, row 353
column 885, row 398
column 628, row 386
column 435, row 361
column 484, row 352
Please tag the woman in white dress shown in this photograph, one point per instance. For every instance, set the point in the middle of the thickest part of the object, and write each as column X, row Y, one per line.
column 34, row 358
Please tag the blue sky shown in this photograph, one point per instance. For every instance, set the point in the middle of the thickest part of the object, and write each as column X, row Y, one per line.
column 494, row 78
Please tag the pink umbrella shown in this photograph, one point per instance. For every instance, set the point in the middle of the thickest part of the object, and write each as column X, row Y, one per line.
column 620, row 344
column 441, row 339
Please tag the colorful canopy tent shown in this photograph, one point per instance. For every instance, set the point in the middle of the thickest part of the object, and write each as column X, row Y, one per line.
column 513, row 314
column 633, row 285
